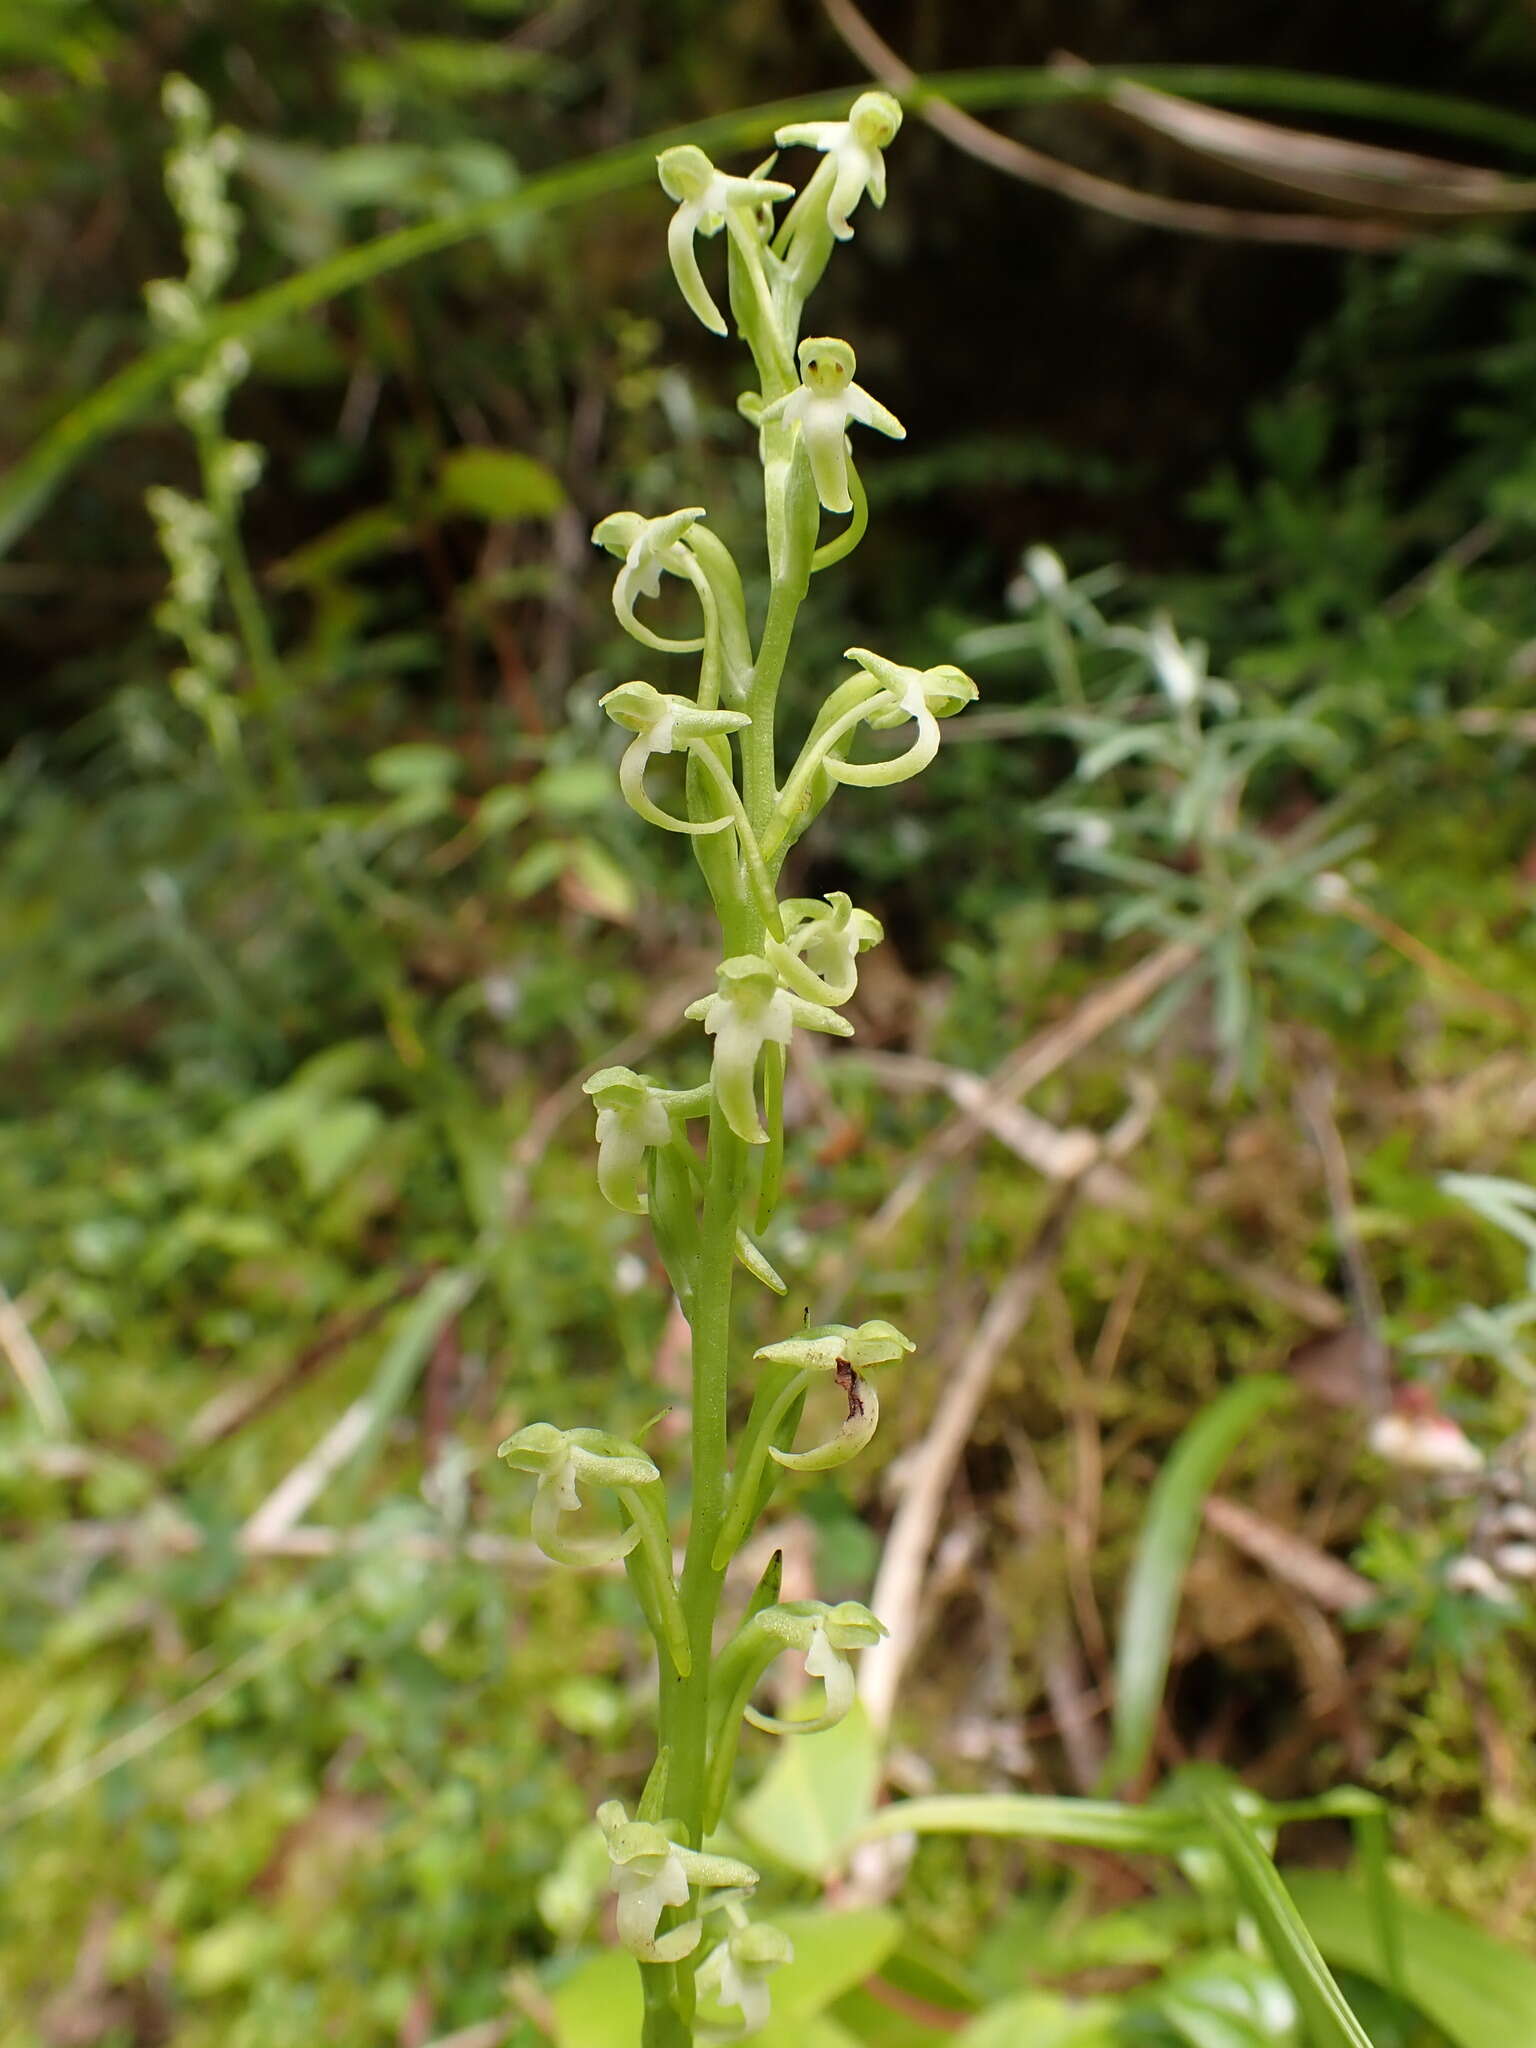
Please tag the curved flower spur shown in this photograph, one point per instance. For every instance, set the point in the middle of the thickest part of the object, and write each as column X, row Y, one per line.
column 824, row 1636
column 796, row 1364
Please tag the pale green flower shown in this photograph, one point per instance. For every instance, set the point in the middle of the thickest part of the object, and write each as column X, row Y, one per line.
column 736, row 1972
column 631, row 1118
column 750, row 1009
column 855, row 147
column 707, row 197
column 823, row 406
column 847, row 1353
column 922, row 695
column 650, row 1872
column 824, row 1635
column 564, row 1460
column 818, row 956
column 663, row 725
column 647, row 548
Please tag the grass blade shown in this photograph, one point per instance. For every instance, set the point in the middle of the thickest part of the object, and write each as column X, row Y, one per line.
column 33, row 480
column 1478, row 1991
column 1325, row 2011
column 1086, row 1823
column 1163, row 1551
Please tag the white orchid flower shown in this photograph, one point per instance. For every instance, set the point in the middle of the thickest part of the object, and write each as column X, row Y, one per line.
column 855, row 147
column 650, row 1872
column 706, row 197
column 750, row 1009
column 823, row 406
column 564, row 1460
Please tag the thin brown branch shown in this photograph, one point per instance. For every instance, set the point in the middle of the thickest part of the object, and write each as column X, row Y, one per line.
column 1289, row 1557
column 1086, row 188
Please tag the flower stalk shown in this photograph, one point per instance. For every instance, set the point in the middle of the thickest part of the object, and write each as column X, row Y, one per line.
column 784, row 965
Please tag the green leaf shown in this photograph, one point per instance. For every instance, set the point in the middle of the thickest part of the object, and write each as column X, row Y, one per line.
column 816, row 1797
column 414, row 766
column 820, row 2032
column 1039, row 2019
column 833, row 1953
column 598, row 884
column 1163, row 1550
column 327, row 1145
column 599, row 2005
column 497, row 483
column 1475, row 1989
column 1090, row 1823
column 1325, row 2012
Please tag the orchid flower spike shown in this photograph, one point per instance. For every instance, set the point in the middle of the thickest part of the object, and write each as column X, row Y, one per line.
column 750, row 1009
column 649, row 1872
column 736, row 1972
column 922, row 695
column 855, row 146
column 825, row 1635
column 564, row 1460
column 631, row 1117
column 706, row 196
column 822, row 407
column 849, row 1354
column 818, row 956
column 647, row 547
column 662, row 725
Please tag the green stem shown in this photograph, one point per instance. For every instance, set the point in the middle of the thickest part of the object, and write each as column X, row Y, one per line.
column 684, row 1702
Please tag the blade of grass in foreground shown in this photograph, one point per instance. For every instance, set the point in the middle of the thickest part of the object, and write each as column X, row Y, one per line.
column 1163, row 1550
column 1325, row 2012
column 1480, row 1992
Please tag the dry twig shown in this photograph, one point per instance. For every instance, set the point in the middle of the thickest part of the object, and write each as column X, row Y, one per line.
column 1049, row 174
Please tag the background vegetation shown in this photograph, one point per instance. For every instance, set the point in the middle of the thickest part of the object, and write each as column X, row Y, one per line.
column 296, row 1209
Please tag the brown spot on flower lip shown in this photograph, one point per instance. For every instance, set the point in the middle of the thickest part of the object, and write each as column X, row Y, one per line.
column 852, row 1386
